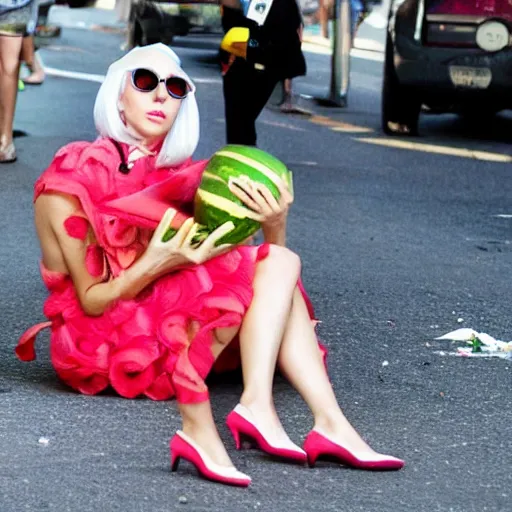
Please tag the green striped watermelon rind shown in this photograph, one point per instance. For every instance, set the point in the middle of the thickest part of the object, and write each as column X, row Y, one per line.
column 213, row 217
column 259, row 156
column 220, row 169
column 218, row 166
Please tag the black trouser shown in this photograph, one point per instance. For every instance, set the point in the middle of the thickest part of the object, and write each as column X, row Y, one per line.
column 246, row 92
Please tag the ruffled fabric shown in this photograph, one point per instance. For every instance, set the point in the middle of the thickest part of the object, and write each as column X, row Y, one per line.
column 158, row 344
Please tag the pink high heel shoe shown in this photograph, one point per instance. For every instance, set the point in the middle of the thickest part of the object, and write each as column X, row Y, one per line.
column 182, row 447
column 319, row 446
column 241, row 423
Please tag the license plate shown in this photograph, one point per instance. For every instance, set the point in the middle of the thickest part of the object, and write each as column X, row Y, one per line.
column 473, row 78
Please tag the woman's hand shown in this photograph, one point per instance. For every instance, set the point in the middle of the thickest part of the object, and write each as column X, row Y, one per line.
column 181, row 250
column 270, row 212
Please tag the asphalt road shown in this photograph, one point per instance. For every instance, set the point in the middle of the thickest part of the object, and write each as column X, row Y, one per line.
column 397, row 245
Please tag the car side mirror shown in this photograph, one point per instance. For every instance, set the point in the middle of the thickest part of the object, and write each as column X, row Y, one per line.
column 236, row 41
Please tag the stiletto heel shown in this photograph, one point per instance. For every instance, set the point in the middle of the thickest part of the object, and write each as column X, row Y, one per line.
column 319, row 446
column 182, row 447
column 175, row 462
column 240, row 422
column 234, row 433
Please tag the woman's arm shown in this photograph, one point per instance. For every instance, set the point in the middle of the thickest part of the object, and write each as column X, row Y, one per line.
column 275, row 234
column 272, row 213
column 95, row 294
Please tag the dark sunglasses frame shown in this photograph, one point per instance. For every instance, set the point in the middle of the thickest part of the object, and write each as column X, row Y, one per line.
column 160, row 80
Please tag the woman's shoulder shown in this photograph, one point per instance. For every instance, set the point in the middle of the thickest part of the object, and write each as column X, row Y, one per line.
column 81, row 163
column 74, row 155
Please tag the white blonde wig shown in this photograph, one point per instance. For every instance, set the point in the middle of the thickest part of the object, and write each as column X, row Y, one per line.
column 181, row 141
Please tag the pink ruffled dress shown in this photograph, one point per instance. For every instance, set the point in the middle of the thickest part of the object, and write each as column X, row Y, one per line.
column 145, row 346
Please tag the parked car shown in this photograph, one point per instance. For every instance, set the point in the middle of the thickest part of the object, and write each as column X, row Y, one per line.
column 446, row 56
column 161, row 20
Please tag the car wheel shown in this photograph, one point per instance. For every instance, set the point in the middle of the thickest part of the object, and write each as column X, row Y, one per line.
column 400, row 105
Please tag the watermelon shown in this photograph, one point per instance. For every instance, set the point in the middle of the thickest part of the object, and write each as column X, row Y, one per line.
column 215, row 204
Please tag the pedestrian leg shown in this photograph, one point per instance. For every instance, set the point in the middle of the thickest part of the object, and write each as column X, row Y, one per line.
column 10, row 50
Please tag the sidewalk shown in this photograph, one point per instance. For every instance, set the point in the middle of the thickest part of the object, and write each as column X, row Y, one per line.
column 371, row 35
column 367, row 37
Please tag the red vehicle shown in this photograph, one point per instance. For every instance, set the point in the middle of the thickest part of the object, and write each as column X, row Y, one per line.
column 446, row 56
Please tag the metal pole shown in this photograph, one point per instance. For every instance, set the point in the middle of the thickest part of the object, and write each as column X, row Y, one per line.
column 342, row 42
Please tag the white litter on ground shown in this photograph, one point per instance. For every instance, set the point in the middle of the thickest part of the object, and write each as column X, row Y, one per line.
column 479, row 344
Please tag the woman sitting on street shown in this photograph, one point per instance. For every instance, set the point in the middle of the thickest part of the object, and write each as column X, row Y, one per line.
column 147, row 317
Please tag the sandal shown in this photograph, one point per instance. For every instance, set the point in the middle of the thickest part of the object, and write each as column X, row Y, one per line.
column 7, row 154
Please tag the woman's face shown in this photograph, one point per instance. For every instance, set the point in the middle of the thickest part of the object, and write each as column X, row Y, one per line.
column 150, row 114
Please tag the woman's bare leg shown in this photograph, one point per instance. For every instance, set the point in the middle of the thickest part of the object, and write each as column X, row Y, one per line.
column 198, row 421
column 198, row 424
column 262, row 332
column 302, row 364
column 260, row 339
column 30, row 58
column 323, row 17
column 10, row 49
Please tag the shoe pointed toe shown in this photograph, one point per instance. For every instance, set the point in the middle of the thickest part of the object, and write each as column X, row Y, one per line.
column 183, row 447
column 319, row 446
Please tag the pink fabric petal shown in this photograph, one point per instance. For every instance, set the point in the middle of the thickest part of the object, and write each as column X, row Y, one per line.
column 25, row 349
column 118, row 232
column 161, row 388
column 86, row 371
column 95, row 260
column 76, row 227
column 126, row 257
column 225, row 303
column 131, row 368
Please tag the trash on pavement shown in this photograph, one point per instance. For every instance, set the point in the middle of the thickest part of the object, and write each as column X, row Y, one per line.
column 479, row 344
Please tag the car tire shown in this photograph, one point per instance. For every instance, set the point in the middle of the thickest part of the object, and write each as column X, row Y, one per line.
column 400, row 105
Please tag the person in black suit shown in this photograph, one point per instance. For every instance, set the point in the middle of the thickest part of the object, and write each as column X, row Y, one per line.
column 249, row 83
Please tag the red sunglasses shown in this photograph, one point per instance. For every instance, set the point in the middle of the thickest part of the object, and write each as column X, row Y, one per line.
column 145, row 80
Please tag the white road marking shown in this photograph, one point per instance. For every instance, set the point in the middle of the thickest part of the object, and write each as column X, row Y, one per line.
column 287, row 126
column 503, row 216
column 88, row 77
column 440, row 150
column 207, row 80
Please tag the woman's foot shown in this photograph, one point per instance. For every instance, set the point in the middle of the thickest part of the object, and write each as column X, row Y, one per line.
column 36, row 76
column 262, row 426
column 184, row 447
column 339, row 440
column 342, row 432
column 211, row 444
column 7, row 152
